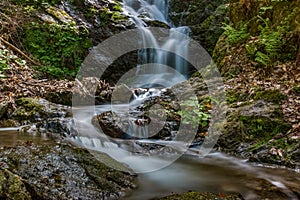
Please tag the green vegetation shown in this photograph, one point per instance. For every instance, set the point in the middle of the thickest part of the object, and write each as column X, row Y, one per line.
column 60, row 48
column 274, row 96
column 35, row 3
column 260, row 128
column 235, row 36
column 3, row 62
column 266, row 41
column 6, row 59
column 193, row 113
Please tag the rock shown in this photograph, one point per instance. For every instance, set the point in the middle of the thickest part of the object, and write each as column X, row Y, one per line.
column 122, row 94
column 59, row 171
column 30, row 110
column 3, row 109
column 63, row 98
column 12, row 187
column 111, row 125
column 201, row 196
column 61, row 15
column 205, row 18
column 251, row 131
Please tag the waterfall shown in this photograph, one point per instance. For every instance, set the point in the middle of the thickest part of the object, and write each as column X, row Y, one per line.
column 156, row 67
column 178, row 41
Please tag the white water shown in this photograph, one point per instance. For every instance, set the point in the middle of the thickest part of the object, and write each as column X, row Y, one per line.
column 177, row 42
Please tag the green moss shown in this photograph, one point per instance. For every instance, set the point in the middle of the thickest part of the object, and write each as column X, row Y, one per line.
column 233, row 96
column 201, row 196
column 296, row 89
column 262, row 128
column 35, row 2
column 11, row 186
column 28, row 109
column 274, row 96
column 60, row 48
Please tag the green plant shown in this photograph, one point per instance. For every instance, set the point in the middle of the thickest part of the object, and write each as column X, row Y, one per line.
column 4, row 58
column 235, row 36
column 251, row 49
column 36, row 3
column 192, row 113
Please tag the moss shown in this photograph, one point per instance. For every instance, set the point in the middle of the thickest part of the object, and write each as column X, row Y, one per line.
column 29, row 109
column 11, row 186
column 296, row 89
column 274, row 96
column 262, row 128
column 233, row 96
column 201, row 196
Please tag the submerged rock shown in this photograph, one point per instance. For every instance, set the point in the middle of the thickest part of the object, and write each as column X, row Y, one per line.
column 62, row 172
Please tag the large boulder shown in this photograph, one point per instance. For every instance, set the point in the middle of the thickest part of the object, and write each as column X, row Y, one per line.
column 259, row 132
column 60, row 171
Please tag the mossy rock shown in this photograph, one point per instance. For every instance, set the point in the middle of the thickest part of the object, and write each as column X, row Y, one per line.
column 274, row 96
column 260, row 128
column 29, row 109
column 251, row 126
column 233, row 96
column 12, row 187
column 202, row 196
column 60, row 171
column 9, row 123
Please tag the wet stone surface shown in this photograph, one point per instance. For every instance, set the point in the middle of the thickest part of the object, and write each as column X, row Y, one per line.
column 60, row 171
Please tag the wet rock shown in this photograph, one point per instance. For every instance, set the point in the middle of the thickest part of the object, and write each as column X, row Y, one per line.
column 201, row 196
column 252, row 131
column 64, row 172
column 111, row 124
column 135, row 126
column 122, row 94
column 12, row 187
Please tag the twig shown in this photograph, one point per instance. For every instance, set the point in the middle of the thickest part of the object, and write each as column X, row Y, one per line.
column 20, row 52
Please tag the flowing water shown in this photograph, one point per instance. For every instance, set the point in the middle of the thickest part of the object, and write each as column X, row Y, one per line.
column 216, row 172
column 177, row 42
column 167, row 170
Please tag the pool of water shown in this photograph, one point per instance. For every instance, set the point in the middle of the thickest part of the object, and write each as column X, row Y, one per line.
column 12, row 137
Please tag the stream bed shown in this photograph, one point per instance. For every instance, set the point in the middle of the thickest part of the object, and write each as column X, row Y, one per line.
column 217, row 173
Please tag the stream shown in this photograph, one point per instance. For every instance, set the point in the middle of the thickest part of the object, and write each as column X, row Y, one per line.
column 166, row 167
column 217, row 172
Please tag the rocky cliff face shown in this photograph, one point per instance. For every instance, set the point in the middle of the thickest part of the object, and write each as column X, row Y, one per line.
column 205, row 19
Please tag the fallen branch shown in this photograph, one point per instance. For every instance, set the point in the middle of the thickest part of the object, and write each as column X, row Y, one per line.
column 20, row 52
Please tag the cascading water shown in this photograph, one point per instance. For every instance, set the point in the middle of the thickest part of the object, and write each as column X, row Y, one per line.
column 178, row 41
column 220, row 171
